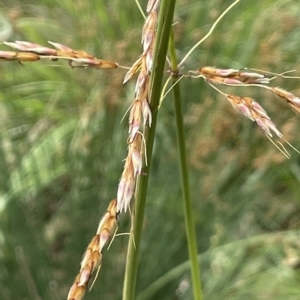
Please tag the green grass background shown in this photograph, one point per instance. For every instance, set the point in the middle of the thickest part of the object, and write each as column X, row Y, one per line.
column 62, row 143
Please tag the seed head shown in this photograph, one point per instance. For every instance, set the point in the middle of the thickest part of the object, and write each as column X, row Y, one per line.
column 232, row 76
column 135, row 153
column 76, row 292
column 126, row 185
column 135, row 68
column 93, row 254
column 30, row 47
column 147, row 114
column 60, row 47
column 255, row 112
column 267, row 126
column 27, row 56
column 152, row 5
column 140, row 84
column 149, row 31
column 134, row 119
column 8, row 55
column 149, row 59
column 291, row 99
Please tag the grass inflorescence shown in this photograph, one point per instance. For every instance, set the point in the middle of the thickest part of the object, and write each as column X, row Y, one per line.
column 149, row 70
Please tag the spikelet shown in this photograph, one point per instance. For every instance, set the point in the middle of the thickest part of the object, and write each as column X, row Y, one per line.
column 152, row 5
column 254, row 111
column 291, row 99
column 92, row 257
column 33, row 52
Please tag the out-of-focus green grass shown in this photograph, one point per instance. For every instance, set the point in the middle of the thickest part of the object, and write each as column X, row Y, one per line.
column 62, row 146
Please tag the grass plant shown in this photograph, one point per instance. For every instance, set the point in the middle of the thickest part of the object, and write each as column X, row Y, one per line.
column 62, row 147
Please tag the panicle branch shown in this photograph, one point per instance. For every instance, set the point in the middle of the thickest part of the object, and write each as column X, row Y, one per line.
column 140, row 113
column 27, row 51
column 231, row 76
column 92, row 257
column 246, row 105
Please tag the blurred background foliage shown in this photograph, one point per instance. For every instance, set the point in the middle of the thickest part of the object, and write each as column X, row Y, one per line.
column 62, row 145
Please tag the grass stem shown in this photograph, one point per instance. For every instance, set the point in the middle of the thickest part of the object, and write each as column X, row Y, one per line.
column 165, row 20
column 188, row 211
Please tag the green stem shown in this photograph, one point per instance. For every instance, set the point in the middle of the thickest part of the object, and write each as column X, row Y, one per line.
column 165, row 20
column 188, row 211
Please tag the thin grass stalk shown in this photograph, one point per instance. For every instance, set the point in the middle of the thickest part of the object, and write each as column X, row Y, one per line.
column 188, row 211
column 164, row 27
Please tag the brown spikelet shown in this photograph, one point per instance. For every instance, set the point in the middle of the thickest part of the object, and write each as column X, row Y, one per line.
column 8, row 55
column 255, row 112
column 20, row 56
column 92, row 257
column 148, row 33
column 152, row 5
column 30, row 47
column 133, row 70
column 291, row 99
column 126, row 185
column 134, row 119
column 24, row 56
